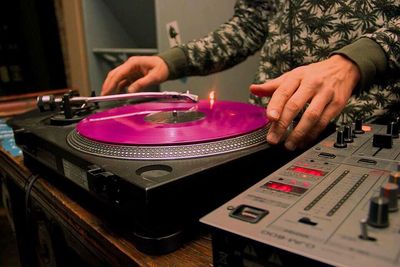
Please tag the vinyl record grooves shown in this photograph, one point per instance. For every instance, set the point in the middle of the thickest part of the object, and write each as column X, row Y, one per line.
column 165, row 130
column 183, row 151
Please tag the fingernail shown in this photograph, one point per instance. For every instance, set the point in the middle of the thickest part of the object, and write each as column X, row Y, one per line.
column 273, row 114
column 290, row 145
column 272, row 138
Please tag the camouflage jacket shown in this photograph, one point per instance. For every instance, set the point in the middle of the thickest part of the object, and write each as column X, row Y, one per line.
column 291, row 33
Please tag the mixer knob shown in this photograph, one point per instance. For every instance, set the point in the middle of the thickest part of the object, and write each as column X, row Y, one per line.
column 348, row 134
column 394, row 178
column 358, row 127
column 393, row 129
column 378, row 215
column 382, row 140
column 340, row 140
column 390, row 191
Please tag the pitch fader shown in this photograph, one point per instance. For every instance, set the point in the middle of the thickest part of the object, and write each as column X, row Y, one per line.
column 336, row 204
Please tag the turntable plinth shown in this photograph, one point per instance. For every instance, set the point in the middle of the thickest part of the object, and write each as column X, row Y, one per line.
column 73, row 232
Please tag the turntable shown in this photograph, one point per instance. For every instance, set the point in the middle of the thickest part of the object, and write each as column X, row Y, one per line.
column 157, row 162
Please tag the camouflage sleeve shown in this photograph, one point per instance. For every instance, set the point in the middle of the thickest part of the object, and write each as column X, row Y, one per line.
column 389, row 40
column 232, row 42
column 377, row 54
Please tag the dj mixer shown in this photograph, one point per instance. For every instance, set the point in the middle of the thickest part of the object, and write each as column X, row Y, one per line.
column 334, row 205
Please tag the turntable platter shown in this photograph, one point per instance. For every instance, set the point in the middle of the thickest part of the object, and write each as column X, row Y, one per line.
column 162, row 123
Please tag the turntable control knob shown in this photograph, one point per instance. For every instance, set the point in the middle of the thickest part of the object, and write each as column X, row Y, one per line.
column 378, row 215
column 393, row 129
column 389, row 191
column 358, row 127
column 348, row 134
column 394, row 178
column 340, row 140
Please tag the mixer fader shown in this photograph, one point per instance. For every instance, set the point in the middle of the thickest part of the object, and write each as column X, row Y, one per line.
column 336, row 204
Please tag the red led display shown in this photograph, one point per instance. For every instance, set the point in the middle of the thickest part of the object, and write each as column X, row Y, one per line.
column 291, row 189
column 280, row 187
column 307, row 171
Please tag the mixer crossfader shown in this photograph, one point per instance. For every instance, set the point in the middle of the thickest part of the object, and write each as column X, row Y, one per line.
column 336, row 204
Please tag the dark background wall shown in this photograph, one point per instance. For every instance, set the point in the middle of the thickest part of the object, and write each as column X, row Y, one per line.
column 30, row 50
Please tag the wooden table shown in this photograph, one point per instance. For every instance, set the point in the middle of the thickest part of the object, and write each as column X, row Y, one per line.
column 59, row 230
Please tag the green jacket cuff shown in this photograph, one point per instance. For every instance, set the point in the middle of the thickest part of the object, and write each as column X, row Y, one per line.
column 176, row 61
column 369, row 57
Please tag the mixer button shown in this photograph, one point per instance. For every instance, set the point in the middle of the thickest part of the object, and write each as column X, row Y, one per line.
column 367, row 161
column 364, row 231
column 378, row 215
column 327, row 155
column 340, row 140
column 306, row 220
column 389, row 191
column 348, row 134
column 248, row 213
column 393, row 129
column 358, row 127
column 394, row 177
column 382, row 140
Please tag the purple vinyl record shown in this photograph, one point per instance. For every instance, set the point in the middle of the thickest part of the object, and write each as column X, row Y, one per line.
column 159, row 123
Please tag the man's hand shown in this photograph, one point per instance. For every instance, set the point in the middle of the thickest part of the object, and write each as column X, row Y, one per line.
column 326, row 86
column 137, row 72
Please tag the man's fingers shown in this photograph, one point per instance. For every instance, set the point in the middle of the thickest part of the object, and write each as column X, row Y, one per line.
column 267, row 88
column 145, row 81
column 114, row 78
column 289, row 105
column 108, row 85
column 280, row 98
column 130, row 70
column 124, row 83
column 310, row 118
column 331, row 112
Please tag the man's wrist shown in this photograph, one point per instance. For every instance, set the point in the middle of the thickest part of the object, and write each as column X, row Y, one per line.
column 176, row 61
column 369, row 58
